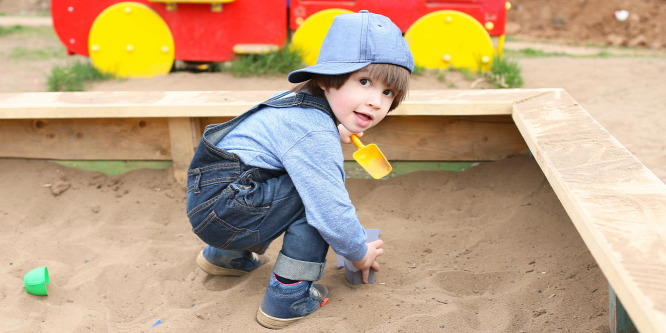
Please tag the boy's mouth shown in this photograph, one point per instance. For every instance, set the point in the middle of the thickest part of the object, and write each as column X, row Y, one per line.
column 363, row 116
column 363, row 119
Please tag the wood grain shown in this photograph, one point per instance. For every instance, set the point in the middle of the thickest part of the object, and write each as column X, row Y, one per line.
column 126, row 104
column 86, row 139
column 438, row 138
column 617, row 205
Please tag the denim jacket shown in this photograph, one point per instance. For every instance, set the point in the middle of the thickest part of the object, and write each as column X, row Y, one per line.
column 293, row 134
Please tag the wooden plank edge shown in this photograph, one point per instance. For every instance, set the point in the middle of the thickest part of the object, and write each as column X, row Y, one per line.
column 230, row 104
column 631, row 295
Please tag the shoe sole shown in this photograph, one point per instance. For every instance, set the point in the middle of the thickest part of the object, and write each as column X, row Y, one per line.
column 272, row 322
column 278, row 323
column 211, row 269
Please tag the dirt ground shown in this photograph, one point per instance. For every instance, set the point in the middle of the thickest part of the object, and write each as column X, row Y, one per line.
column 489, row 249
column 589, row 22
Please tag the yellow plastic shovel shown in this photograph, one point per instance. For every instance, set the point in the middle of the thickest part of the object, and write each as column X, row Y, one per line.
column 371, row 159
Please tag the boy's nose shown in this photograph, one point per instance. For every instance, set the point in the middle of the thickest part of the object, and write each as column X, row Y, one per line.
column 374, row 100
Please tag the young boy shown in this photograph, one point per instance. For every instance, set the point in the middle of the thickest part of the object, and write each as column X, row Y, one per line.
column 278, row 168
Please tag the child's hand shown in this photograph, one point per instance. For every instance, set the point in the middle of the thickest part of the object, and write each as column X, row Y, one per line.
column 364, row 265
column 344, row 134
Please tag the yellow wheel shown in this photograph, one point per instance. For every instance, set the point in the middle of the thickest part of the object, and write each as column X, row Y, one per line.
column 449, row 38
column 310, row 35
column 129, row 39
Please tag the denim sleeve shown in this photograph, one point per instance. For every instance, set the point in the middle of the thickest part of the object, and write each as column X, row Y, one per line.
column 315, row 165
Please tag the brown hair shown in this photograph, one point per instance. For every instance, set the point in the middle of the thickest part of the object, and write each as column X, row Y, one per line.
column 394, row 77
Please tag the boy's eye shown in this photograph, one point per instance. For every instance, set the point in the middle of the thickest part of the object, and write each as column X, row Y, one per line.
column 388, row 93
column 364, row 82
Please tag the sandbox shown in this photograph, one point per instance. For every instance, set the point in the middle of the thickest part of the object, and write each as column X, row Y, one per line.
column 616, row 204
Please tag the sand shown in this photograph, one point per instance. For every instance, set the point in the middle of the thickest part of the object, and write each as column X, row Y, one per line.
column 489, row 249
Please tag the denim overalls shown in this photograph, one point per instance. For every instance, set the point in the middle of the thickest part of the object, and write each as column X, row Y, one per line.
column 233, row 206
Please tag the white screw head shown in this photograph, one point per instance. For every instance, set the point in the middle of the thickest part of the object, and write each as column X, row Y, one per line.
column 485, row 59
column 128, row 10
column 95, row 48
column 72, row 40
column 70, row 9
column 165, row 49
column 129, row 48
column 446, row 58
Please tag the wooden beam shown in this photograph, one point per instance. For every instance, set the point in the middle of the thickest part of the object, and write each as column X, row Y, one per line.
column 167, row 104
column 124, row 104
column 438, row 138
column 463, row 102
column 162, row 125
column 86, row 139
column 184, row 135
column 617, row 205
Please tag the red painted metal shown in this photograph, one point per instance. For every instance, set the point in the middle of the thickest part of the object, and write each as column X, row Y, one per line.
column 200, row 34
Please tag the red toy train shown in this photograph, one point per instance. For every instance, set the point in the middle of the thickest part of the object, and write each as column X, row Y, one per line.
column 142, row 38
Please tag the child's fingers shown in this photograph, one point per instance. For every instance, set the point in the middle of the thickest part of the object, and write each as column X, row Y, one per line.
column 378, row 247
column 377, row 244
column 366, row 272
column 344, row 134
column 375, row 266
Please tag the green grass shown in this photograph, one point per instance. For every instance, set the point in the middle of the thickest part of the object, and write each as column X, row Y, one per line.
column 465, row 71
column 439, row 74
column 74, row 76
column 418, row 70
column 354, row 170
column 605, row 54
column 115, row 167
column 535, row 53
column 505, row 73
column 273, row 63
column 24, row 30
column 14, row 29
column 24, row 53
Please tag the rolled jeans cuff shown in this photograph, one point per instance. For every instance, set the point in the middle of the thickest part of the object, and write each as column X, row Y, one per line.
column 298, row 270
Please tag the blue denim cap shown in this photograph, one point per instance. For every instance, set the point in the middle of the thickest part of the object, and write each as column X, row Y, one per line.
column 357, row 40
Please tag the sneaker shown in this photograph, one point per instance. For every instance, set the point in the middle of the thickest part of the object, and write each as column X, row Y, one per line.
column 284, row 304
column 225, row 262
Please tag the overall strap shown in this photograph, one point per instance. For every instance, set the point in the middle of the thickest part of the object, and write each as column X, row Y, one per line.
column 215, row 132
column 291, row 99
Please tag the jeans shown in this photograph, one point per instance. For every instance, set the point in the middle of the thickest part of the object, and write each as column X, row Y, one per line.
column 233, row 206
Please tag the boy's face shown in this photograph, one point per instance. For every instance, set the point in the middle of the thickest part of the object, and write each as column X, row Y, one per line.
column 361, row 102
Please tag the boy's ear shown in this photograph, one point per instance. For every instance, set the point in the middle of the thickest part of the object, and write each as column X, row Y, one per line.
column 319, row 83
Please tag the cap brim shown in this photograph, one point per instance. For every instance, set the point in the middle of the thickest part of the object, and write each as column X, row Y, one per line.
column 305, row 74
